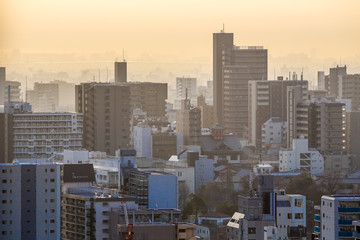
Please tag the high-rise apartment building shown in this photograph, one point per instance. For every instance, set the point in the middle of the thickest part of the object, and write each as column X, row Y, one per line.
column 331, row 82
column 350, row 89
column 14, row 91
column 267, row 99
column 321, row 120
column 44, row 97
column 4, row 88
column 106, row 113
column 27, row 136
column 240, row 65
column 149, row 97
column 221, row 41
column 186, row 87
column 120, row 71
column 30, row 201
column 188, row 123
column 39, row 135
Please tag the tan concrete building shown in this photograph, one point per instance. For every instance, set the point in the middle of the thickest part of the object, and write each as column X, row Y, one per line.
column 106, row 113
column 44, row 97
column 350, row 89
column 207, row 113
column 188, row 123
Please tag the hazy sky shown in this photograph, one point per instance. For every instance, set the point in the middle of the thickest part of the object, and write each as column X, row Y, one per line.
column 320, row 28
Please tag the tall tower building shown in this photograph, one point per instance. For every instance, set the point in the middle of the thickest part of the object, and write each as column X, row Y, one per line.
column 121, row 72
column 221, row 41
column 241, row 64
column 188, row 123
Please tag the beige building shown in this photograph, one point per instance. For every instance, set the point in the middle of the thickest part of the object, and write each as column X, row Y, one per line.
column 188, row 123
column 44, row 97
column 207, row 113
column 350, row 89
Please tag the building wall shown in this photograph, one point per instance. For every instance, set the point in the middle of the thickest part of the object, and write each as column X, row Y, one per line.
column 44, row 97
column 353, row 135
column 301, row 158
column 2, row 84
column 221, row 41
column 351, row 89
column 30, row 198
column 204, row 172
column 183, row 83
column 163, row 191
column 241, row 64
column 106, row 111
column 38, row 135
column 292, row 216
column 143, row 141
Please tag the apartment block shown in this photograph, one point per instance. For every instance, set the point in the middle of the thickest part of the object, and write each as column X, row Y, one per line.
column 350, row 89
column 30, row 201
column 267, row 99
column 186, row 87
column 86, row 212
column 273, row 135
column 120, row 69
column 39, row 135
column 44, row 97
column 334, row 219
column 291, row 214
column 106, row 113
column 321, row 120
column 207, row 112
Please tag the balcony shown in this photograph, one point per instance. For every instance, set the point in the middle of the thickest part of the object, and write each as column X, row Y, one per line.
column 317, row 218
column 345, row 221
column 345, row 234
column 349, row 209
column 317, row 229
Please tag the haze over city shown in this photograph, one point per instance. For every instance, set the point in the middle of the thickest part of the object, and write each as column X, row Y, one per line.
column 180, row 120
column 169, row 36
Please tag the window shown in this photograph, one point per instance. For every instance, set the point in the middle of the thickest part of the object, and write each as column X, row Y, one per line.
column 3, row 171
column 52, row 210
column 182, row 230
column 298, row 202
column 4, row 191
column 52, row 220
column 52, row 190
column 4, row 181
column 289, row 215
column 52, row 170
column 299, row 215
column 252, row 230
column 52, row 180
column 52, row 231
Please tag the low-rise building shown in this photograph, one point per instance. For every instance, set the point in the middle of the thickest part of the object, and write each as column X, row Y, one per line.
column 301, row 157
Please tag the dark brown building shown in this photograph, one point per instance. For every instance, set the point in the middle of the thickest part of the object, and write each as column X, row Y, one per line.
column 106, row 116
column 221, row 41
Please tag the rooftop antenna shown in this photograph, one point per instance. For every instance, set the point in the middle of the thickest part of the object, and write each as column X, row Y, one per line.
column 124, row 55
column 99, row 74
column 223, row 27
column 107, row 74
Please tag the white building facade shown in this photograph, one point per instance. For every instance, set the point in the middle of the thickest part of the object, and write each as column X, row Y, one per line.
column 302, row 158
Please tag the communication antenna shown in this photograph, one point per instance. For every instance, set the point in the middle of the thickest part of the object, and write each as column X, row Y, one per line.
column 223, row 27
column 124, row 55
column 99, row 75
